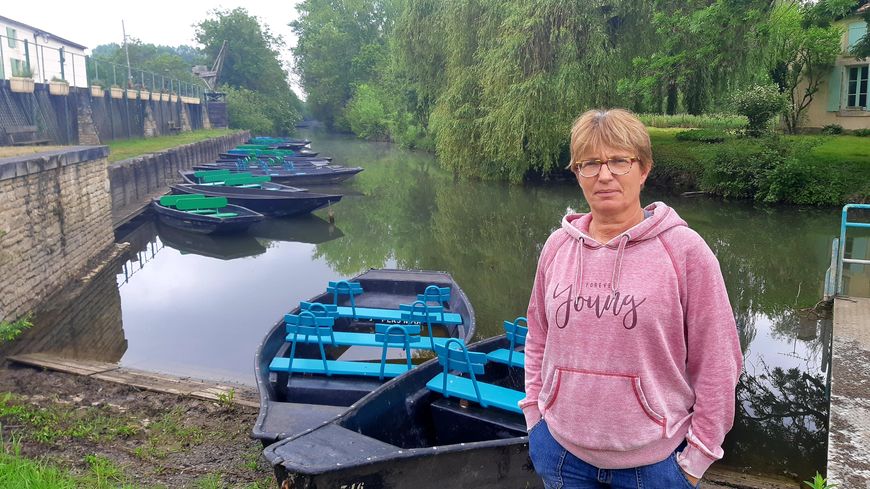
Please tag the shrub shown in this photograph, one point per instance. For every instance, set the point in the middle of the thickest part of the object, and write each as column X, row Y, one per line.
column 367, row 114
column 245, row 111
column 259, row 113
column 861, row 132
column 689, row 121
column 832, row 129
column 773, row 170
column 735, row 171
column 760, row 104
column 702, row 135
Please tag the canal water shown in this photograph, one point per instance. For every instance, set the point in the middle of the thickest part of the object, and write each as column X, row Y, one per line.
column 199, row 306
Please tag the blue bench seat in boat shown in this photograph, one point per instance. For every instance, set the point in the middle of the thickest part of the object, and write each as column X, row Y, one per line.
column 503, row 355
column 455, row 356
column 516, row 334
column 336, row 367
column 463, row 388
column 345, row 338
column 305, row 326
column 394, row 315
column 416, row 312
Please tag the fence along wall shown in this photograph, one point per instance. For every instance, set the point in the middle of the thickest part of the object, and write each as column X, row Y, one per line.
column 62, row 118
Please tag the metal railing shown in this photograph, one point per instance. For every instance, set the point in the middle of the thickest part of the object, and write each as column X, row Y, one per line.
column 44, row 63
column 834, row 276
column 114, row 74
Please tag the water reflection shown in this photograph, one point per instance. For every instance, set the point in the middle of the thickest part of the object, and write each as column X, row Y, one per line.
column 222, row 247
column 82, row 321
column 303, row 229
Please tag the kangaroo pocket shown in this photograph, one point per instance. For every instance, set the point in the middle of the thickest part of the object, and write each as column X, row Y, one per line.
column 602, row 411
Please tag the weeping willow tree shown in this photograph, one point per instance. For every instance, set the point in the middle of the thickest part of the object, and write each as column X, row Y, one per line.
column 514, row 75
column 497, row 83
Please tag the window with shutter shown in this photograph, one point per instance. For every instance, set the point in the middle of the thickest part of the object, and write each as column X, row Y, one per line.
column 856, row 95
column 10, row 36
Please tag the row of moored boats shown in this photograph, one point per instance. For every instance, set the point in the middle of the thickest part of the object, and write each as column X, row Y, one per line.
column 249, row 183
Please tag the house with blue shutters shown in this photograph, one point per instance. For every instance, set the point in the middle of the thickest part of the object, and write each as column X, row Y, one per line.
column 844, row 99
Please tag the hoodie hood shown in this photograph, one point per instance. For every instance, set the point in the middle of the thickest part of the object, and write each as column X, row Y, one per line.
column 660, row 218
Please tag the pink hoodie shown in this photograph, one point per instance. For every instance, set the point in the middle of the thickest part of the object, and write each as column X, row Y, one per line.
column 632, row 346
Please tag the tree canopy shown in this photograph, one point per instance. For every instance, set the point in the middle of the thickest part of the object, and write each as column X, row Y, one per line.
column 167, row 61
column 493, row 85
column 255, row 80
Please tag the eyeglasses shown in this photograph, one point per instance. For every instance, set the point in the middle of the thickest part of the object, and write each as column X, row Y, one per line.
column 617, row 166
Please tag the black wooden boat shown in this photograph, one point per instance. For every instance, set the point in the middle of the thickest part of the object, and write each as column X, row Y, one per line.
column 222, row 247
column 274, row 203
column 291, row 404
column 302, row 176
column 281, row 143
column 300, row 159
column 405, row 435
column 190, row 177
column 281, row 153
column 201, row 214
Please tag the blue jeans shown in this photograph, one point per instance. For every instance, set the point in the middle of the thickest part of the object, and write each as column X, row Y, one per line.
column 561, row 470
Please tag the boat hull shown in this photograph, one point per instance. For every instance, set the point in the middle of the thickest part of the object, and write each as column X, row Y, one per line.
column 315, row 176
column 204, row 224
column 267, row 202
column 291, row 406
column 429, row 442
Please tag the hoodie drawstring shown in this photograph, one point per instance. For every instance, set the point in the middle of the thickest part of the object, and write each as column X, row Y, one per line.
column 578, row 276
column 617, row 266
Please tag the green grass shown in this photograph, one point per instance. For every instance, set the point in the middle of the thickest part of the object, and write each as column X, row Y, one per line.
column 706, row 121
column 123, row 149
column 169, row 435
column 17, row 470
column 56, row 421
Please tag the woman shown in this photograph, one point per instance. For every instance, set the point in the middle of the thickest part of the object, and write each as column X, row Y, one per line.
column 632, row 355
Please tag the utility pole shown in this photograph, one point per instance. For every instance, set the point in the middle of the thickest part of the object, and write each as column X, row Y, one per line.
column 127, row 53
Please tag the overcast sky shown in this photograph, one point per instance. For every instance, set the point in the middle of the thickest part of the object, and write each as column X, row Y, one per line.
column 155, row 21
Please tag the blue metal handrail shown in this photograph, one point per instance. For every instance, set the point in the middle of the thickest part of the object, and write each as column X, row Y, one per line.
column 844, row 225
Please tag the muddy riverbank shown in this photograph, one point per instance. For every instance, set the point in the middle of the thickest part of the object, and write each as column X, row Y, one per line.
column 149, row 439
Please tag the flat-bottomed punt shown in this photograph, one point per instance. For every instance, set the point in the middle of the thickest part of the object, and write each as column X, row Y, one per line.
column 201, row 214
column 408, row 434
column 257, row 194
column 293, row 401
column 295, row 176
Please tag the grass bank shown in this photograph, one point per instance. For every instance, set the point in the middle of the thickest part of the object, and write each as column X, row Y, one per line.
column 123, row 149
column 64, row 431
column 804, row 169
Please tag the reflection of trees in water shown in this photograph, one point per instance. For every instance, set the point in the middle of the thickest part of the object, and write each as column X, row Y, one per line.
column 782, row 418
column 392, row 220
column 490, row 236
column 773, row 260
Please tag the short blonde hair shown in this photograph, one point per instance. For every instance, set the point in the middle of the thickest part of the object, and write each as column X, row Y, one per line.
column 617, row 128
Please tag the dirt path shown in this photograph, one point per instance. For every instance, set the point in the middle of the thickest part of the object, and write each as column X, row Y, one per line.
column 153, row 439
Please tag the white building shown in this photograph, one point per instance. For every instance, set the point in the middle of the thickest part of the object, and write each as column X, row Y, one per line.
column 48, row 56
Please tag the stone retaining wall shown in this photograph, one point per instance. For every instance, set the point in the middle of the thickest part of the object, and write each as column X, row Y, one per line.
column 134, row 182
column 55, row 217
